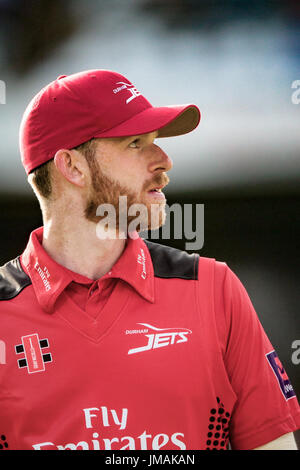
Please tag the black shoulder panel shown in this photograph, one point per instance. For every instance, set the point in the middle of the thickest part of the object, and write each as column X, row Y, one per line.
column 12, row 279
column 170, row 262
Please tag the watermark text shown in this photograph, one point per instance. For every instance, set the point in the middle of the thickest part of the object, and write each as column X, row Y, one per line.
column 296, row 354
column 2, row 92
column 180, row 222
column 296, row 94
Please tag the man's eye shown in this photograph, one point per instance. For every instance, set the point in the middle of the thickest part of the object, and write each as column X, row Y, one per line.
column 134, row 143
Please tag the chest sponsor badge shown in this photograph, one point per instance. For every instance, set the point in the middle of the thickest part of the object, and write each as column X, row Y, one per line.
column 34, row 358
column 159, row 337
column 281, row 376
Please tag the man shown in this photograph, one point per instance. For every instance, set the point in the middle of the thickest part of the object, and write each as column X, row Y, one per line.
column 113, row 342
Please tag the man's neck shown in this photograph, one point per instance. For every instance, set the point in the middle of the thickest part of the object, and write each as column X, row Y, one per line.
column 77, row 247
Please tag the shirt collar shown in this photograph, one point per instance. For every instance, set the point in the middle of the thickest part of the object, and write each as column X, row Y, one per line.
column 49, row 278
column 135, row 267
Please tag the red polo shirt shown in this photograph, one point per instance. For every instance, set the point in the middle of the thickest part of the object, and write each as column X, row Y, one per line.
column 163, row 352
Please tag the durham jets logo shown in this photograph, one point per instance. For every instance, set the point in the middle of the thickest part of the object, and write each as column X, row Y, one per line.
column 159, row 337
column 127, row 86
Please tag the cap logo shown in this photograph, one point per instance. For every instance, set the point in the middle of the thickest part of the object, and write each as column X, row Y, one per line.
column 127, row 86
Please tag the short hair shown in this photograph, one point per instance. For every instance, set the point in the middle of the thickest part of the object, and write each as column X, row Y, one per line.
column 41, row 178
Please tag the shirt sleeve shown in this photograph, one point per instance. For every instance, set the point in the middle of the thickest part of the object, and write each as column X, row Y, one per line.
column 266, row 405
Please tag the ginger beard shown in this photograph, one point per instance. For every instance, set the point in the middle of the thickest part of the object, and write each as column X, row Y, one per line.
column 105, row 190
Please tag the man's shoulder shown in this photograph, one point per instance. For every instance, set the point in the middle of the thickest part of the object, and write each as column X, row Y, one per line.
column 13, row 279
column 170, row 262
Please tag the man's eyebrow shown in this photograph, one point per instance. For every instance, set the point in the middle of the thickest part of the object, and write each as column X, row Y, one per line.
column 125, row 139
column 140, row 136
column 120, row 140
column 130, row 137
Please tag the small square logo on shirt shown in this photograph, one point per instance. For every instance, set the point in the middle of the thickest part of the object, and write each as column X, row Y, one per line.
column 34, row 359
column 282, row 378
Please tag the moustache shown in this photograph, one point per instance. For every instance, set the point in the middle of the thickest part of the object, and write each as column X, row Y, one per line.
column 158, row 180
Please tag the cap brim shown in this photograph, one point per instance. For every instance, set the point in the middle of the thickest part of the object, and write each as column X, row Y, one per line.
column 168, row 121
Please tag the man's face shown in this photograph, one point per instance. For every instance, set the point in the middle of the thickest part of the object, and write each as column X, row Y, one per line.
column 133, row 167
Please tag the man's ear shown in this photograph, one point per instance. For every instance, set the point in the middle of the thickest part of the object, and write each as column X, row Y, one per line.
column 70, row 165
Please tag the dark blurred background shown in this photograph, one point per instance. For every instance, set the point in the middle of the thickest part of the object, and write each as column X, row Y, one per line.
column 237, row 61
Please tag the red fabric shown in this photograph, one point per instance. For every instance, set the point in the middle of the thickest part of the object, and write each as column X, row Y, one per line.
column 165, row 364
column 51, row 279
column 261, row 412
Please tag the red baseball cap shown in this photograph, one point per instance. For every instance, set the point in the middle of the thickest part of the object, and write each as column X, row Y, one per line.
column 94, row 103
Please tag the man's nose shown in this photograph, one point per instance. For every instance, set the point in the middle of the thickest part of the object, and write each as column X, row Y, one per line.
column 158, row 159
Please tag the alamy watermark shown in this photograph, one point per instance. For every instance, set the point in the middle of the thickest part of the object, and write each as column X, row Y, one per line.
column 2, row 352
column 296, row 94
column 2, row 92
column 180, row 222
column 296, row 354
